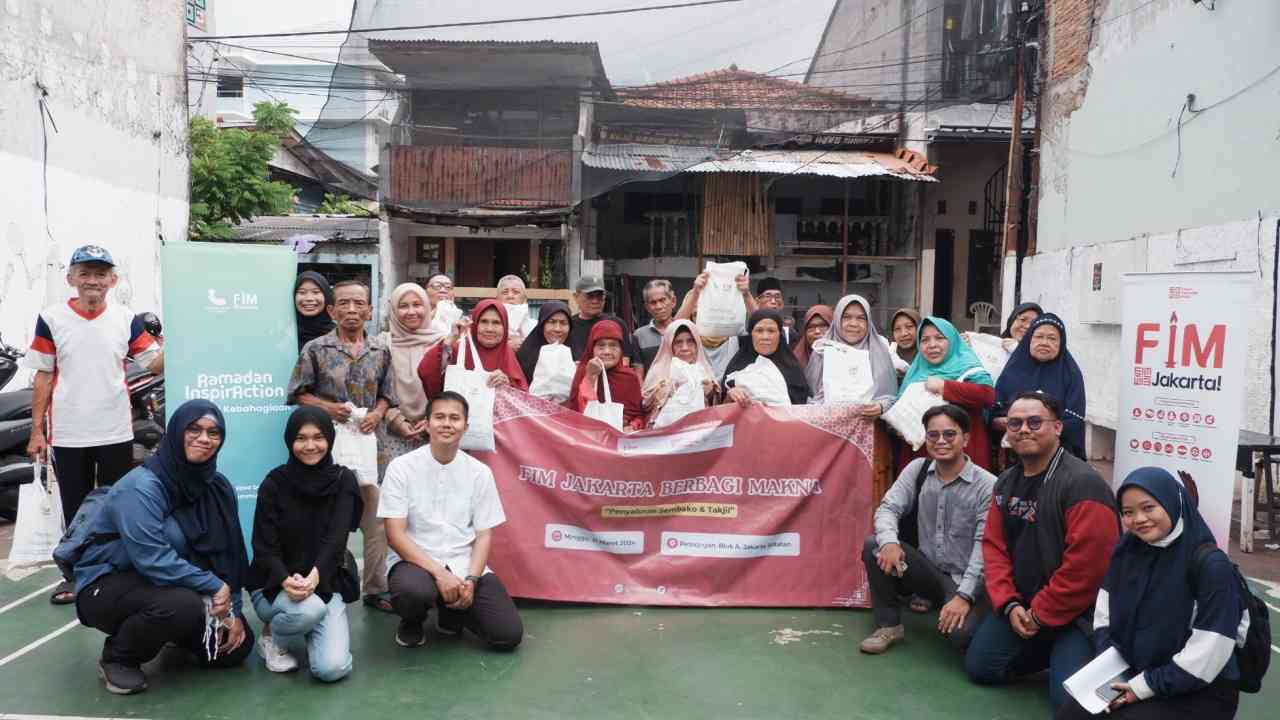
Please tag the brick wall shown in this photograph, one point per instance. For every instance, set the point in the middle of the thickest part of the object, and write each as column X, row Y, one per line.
column 1070, row 27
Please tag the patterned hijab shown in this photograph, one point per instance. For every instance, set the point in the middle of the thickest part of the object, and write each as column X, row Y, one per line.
column 661, row 368
column 882, row 372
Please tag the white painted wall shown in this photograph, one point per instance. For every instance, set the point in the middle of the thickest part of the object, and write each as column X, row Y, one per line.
column 117, row 164
column 1109, row 193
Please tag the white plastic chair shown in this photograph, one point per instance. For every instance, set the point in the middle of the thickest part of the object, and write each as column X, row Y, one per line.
column 984, row 316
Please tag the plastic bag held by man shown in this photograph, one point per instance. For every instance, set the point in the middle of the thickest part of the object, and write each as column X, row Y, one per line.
column 721, row 310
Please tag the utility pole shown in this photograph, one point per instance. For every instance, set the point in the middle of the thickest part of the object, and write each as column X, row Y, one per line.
column 1013, row 175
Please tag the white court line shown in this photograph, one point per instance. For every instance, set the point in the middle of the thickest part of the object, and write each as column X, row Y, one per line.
column 14, row 656
column 18, row 716
column 42, row 591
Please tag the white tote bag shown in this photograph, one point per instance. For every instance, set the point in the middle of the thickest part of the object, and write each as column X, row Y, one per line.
column 39, row 526
column 721, row 310
column 686, row 397
column 990, row 350
column 764, row 381
column 906, row 415
column 553, row 375
column 846, row 373
column 356, row 450
column 608, row 412
column 474, row 386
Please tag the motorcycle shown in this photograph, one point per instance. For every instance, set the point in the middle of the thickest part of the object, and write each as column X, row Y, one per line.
column 146, row 399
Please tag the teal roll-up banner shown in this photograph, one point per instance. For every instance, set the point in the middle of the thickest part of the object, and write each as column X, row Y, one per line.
column 230, row 337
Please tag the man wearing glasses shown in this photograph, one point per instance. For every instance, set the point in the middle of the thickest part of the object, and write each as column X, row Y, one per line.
column 940, row 503
column 1050, row 530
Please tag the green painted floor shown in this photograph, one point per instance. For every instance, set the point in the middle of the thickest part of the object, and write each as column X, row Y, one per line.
column 576, row 661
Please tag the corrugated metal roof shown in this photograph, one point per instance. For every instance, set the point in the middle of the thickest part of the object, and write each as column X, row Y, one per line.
column 338, row 228
column 834, row 163
column 638, row 157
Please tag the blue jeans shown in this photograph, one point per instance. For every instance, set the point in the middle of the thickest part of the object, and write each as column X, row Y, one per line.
column 313, row 624
column 997, row 655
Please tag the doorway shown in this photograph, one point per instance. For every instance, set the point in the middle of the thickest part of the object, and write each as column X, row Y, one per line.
column 944, row 254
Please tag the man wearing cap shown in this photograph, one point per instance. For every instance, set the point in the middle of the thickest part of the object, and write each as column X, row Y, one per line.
column 80, row 408
column 589, row 294
column 769, row 297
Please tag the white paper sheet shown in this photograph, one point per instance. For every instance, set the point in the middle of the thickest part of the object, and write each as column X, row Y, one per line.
column 1083, row 686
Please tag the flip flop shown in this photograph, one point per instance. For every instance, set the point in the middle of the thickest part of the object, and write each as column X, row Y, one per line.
column 381, row 601
column 64, row 594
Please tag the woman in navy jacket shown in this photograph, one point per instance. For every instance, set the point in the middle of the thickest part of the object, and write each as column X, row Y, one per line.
column 169, row 562
column 1173, row 619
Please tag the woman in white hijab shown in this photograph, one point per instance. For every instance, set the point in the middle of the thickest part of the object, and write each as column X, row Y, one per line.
column 511, row 292
column 412, row 333
column 681, row 341
column 852, row 326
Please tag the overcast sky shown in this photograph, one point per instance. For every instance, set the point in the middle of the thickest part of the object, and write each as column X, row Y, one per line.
column 645, row 47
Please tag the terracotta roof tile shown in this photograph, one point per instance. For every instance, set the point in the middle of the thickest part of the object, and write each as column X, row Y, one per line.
column 737, row 89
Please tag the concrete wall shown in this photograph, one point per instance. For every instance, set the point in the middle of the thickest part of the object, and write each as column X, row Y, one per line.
column 117, row 169
column 866, row 42
column 1109, row 190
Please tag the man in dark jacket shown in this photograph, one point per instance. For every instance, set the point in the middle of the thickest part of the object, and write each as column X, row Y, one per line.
column 1049, row 536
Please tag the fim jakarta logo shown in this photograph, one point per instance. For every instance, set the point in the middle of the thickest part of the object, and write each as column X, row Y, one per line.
column 1192, row 357
column 220, row 301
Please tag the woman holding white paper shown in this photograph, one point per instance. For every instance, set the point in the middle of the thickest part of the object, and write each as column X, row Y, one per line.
column 948, row 367
column 1170, row 606
column 410, row 336
column 852, row 328
column 601, row 365
column 681, row 341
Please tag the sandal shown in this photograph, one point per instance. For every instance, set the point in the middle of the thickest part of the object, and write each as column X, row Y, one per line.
column 919, row 604
column 381, row 601
column 64, row 594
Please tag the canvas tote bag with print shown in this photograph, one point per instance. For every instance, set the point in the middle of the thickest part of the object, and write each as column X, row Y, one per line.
column 474, row 386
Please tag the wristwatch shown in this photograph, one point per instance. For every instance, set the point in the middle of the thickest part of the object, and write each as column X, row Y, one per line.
column 473, row 578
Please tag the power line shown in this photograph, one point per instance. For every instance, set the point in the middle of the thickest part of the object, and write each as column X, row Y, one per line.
column 471, row 23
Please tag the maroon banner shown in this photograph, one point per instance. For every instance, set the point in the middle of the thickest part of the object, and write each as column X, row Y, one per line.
column 762, row 506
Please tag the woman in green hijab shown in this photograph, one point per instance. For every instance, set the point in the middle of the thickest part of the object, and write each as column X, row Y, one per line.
column 949, row 367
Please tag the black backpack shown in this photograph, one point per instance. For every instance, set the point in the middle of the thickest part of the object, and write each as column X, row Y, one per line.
column 1255, row 656
column 909, row 524
column 77, row 537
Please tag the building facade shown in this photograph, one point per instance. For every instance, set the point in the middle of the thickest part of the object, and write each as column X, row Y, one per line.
column 1158, row 139
column 93, row 141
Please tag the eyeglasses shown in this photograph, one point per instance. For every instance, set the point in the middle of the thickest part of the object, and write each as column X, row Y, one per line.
column 1033, row 423
column 771, row 295
column 441, row 286
column 948, row 435
column 194, row 432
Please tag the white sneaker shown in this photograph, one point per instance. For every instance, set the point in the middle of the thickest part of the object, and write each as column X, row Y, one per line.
column 278, row 659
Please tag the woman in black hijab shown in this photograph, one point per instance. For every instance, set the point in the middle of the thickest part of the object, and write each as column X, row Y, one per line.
column 306, row 509
column 554, row 322
column 312, row 298
column 167, row 561
column 765, row 338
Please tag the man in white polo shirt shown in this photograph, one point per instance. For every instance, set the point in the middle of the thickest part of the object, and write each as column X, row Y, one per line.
column 80, row 407
column 440, row 506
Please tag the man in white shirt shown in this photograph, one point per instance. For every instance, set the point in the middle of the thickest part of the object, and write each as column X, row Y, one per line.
column 440, row 506
column 80, row 408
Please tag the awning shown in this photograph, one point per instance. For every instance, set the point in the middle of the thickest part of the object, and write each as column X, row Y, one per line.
column 639, row 157
column 826, row 163
column 636, row 157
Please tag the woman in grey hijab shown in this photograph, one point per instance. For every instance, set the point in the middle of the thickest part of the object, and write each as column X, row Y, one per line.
column 851, row 325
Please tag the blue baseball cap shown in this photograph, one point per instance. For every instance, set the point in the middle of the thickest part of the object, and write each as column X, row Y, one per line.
column 92, row 254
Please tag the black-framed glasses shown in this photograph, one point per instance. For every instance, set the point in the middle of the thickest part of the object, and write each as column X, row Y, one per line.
column 948, row 435
column 1033, row 423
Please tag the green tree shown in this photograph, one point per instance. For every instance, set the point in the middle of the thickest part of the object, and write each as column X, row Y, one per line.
column 342, row 204
column 229, row 176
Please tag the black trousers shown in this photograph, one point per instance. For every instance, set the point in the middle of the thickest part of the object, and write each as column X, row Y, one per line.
column 492, row 615
column 81, row 469
column 922, row 578
column 139, row 618
column 1218, row 701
